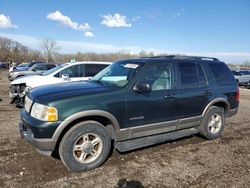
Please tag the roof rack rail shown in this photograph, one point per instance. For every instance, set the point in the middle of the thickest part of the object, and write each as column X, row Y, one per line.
column 185, row 57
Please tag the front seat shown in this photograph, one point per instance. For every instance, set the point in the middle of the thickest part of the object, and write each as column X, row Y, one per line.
column 162, row 82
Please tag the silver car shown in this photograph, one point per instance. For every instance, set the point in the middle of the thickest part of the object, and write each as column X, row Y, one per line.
column 36, row 69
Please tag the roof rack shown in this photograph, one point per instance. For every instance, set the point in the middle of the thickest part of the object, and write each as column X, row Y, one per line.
column 185, row 57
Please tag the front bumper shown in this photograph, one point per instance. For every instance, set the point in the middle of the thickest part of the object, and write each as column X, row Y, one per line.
column 33, row 130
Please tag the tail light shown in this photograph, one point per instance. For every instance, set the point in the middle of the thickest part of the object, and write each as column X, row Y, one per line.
column 237, row 97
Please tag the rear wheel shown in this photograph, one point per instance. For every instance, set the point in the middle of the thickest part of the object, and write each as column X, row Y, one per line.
column 213, row 123
column 85, row 146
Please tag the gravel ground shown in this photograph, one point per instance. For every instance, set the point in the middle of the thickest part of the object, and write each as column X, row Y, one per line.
column 188, row 162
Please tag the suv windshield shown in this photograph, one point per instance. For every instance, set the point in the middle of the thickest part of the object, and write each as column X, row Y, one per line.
column 118, row 74
column 53, row 70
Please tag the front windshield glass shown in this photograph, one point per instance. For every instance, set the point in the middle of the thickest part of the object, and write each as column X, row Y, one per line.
column 53, row 69
column 118, row 74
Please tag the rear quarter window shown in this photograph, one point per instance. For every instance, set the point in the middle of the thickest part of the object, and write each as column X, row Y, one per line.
column 221, row 73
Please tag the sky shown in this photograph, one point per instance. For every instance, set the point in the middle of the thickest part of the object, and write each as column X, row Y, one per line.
column 219, row 28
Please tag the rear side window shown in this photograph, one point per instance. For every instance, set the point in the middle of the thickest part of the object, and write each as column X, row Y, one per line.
column 188, row 75
column 93, row 69
column 222, row 74
column 202, row 76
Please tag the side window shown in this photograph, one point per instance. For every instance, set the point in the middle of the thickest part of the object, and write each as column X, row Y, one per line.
column 158, row 77
column 49, row 67
column 222, row 73
column 39, row 68
column 93, row 69
column 188, row 75
column 73, row 71
column 202, row 76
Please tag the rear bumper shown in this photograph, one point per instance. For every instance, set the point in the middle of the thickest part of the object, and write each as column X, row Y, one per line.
column 232, row 112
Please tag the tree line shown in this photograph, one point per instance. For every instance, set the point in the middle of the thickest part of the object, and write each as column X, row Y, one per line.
column 13, row 51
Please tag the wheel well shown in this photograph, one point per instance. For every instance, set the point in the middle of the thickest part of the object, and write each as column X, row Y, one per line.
column 100, row 119
column 222, row 105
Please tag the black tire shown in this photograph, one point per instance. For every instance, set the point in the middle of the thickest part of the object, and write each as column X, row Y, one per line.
column 68, row 156
column 205, row 129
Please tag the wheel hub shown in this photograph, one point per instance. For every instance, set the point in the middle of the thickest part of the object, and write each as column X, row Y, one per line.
column 88, row 148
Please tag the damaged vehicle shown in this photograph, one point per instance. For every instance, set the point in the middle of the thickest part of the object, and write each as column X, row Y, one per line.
column 68, row 72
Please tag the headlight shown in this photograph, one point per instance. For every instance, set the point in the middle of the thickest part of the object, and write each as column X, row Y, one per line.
column 27, row 104
column 44, row 113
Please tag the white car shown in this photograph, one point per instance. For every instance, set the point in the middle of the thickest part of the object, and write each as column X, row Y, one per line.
column 68, row 72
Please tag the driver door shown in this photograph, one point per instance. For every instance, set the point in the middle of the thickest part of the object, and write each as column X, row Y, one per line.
column 153, row 111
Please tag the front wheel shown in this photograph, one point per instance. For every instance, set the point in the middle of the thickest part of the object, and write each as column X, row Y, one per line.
column 85, row 146
column 213, row 123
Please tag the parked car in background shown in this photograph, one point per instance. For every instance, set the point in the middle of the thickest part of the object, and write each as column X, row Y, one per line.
column 36, row 69
column 3, row 65
column 68, row 72
column 20, row 67
column 132, row 103
column 242, row 77
column 23, row 66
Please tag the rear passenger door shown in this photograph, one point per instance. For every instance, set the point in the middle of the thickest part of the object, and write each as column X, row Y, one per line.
column 193, row 91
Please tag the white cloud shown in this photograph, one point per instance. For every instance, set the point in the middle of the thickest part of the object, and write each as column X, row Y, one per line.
column 65, row 20
column 89, row 34
column 178, row 14
column 116, row 20
column 75, row 46
column 5, row 22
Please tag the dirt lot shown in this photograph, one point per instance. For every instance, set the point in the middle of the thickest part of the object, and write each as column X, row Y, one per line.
column 189, row 162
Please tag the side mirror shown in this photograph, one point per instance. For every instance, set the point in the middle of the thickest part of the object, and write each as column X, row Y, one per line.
column 65, row 76
column 142, row 87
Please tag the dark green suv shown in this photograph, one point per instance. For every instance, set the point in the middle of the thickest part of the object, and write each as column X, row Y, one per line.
column 132, row 103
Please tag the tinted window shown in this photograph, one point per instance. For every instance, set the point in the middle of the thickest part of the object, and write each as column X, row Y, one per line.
column 38, row 67
column 158, row 77
column 221, row 73
column 201, row 75
column 73, row 71
column 245, row 72
column 236, row 73
column 188, row 75
column 93, row 69
column 49, row 66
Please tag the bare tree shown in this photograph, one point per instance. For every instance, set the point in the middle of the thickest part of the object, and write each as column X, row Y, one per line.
column 49, row 48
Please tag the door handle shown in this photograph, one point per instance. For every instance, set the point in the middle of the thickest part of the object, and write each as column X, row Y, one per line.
column 207, row 92
column 170, row 96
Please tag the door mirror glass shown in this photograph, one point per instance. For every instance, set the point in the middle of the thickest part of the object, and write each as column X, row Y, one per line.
column 142, row 87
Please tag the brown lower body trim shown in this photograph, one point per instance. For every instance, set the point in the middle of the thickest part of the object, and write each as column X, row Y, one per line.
column 157, row 128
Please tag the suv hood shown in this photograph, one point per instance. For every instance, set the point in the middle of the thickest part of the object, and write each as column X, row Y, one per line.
column 53, row 92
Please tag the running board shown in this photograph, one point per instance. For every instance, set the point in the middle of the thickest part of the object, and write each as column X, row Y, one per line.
column 155, row 139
